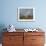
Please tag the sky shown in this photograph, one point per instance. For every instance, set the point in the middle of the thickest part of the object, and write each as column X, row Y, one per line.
column 26, row 12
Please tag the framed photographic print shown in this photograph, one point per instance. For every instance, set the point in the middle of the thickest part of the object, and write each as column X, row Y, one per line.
column 26, row 14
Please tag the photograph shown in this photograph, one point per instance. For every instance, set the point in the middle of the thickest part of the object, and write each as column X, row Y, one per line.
column 22, row 22
column 26, row 14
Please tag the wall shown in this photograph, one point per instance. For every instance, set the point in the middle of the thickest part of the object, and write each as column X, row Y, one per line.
column 9, row 13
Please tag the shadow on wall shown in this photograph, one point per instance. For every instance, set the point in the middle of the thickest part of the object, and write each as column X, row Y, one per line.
column 2, row 26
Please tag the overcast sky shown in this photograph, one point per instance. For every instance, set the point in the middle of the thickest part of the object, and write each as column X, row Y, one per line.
column 26, row 12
